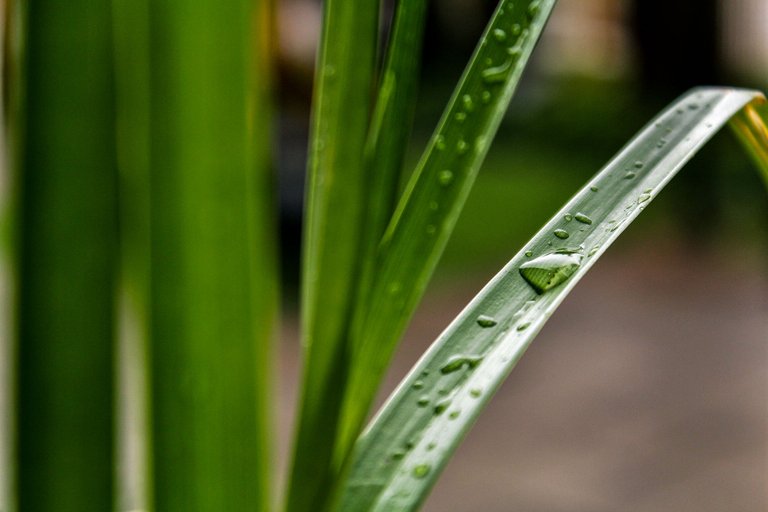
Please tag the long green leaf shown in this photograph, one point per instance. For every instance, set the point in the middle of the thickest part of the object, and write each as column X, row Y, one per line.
column 427, row 212
column 210, row 303
column 403, row 451
column 66, row 258
column 334, row 224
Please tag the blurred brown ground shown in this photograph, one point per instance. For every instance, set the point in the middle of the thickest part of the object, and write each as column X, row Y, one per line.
column 647, row 391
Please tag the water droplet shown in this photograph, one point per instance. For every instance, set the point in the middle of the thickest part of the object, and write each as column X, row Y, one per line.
column 461, row 146
column 645, row 196
column 498, row 73
column 454, row 415
column 329, row 71
column 423, row 401
column 440, row 142
column 561, row 233
column 459, row 361
column 422, row 470
column 593, row 250
column 594, row 188
column 431, row 446
column 469, row 105
column 499, row 35
column 533, row 9
column 445, row 177
column 418, row 384
column 485, row 97
column 394, row 288
column 460, row 117
column 399, row 454
column 442, row 405
column 550, row 270
column 486, row 321
column 433, row 205
column 430, row 229
column 529, row 253
column 584, row 219
column 475, row 392
column 693, row 106
column 568, row 217
column 425, row 372
column 629, row 175
column 638, row 165
column 523, row 326
column 516, row 29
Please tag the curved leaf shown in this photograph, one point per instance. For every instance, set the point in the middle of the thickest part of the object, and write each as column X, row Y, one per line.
column 399, row 457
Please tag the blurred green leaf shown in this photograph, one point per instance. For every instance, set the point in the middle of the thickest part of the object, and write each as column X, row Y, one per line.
column 66, row 177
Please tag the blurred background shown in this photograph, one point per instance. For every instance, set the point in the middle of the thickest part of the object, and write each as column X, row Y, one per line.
column 647, row 390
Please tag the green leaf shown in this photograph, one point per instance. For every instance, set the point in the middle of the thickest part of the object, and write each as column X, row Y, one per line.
column 335, row 214
column 401, row 454
column 212, row 288
column 426, row 214
column 66, row 174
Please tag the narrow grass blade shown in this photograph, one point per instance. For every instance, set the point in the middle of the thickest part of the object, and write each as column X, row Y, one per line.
column 210, row 293
column 131, row 35
column 751, row 127
column 399, row 457
column 66, row 258
column 392, row 118
column 334, row 223
column 434, row 197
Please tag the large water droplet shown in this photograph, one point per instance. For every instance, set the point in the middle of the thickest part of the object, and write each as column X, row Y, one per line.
column 561, row 234
column 459, row 361
column 523, row 326
column 462, row 147
column 550, row 270
column 486, row 321
column 423, row 401
column 584, row 219
column 418, row 384
column 594, row 188
column 516, row 29
column 454, row 415
column 440, row 142
column 485, row 97
column 499, row 35
column 422, row 470
column 568, row 217
column 475, row 392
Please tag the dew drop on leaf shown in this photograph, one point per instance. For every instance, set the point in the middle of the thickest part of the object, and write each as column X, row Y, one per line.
column 486, row 321
column 459, row 361
column 561, row 234
column 422, row 470
column 550, row 270
column 445, row 178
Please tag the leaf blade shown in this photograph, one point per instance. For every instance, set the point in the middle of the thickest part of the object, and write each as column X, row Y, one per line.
column 399, row 456
column 428, row 210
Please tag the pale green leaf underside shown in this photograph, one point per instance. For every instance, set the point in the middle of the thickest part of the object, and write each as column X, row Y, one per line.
column 400, row 455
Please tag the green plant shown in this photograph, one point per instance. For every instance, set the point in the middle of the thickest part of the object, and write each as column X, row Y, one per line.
column 184, row 87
